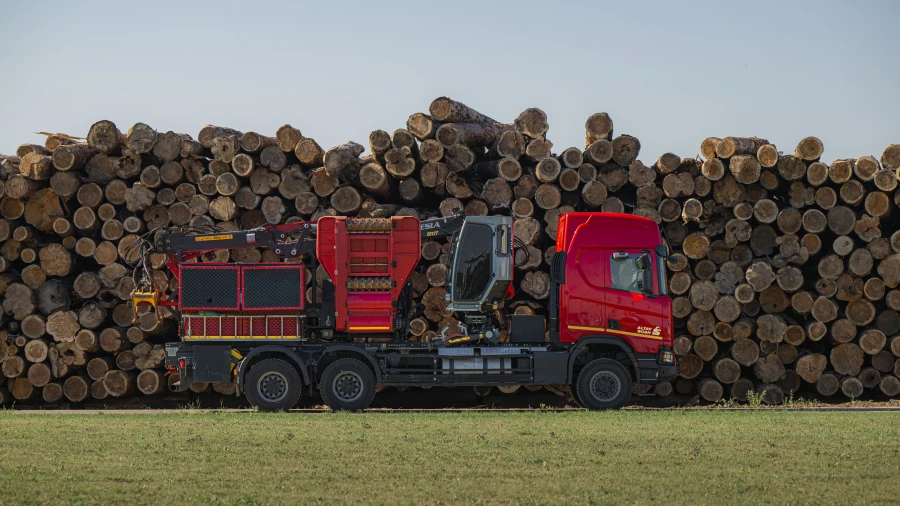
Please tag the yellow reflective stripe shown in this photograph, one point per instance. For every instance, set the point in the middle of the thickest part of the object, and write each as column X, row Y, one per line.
column 615, row 331
column 635, row 334
column 370, row 328
column 597, row 329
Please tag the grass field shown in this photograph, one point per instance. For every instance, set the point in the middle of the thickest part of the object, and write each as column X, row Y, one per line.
column 633, row 457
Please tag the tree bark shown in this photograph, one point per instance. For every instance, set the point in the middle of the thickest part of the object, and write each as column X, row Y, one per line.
column 447, row 110
column 339, row 158
column 598, row 126
column 310, row 154
column 473, row 134
column 532, row 123
column 730, row 146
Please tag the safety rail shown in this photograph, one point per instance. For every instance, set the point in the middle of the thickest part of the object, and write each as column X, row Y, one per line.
column 241, row 327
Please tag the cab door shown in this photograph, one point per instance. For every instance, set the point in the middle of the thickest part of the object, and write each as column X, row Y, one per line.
column 630, row 312
column 583, row 308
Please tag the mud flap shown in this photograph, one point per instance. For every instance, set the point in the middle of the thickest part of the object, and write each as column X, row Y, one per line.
column 212, row 364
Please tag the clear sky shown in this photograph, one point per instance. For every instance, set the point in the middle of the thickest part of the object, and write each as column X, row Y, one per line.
column 670, row 73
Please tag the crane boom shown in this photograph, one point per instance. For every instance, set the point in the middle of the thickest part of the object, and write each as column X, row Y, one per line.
column 289, row 240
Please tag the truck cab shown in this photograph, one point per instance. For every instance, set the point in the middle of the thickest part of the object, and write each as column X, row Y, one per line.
column 609, row 275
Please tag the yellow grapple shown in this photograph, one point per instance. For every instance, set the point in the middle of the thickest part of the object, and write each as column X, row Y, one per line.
column 145, row 295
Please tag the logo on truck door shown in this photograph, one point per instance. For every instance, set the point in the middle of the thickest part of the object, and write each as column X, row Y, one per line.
column 650, row 331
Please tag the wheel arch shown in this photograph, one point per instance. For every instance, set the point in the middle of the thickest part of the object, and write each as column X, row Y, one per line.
column 601, row 343
column 271, row 351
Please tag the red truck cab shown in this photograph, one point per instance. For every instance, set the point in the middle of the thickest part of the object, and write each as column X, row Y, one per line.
column 612, row 296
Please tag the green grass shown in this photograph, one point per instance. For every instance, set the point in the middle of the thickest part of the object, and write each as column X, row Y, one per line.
column 624, row 457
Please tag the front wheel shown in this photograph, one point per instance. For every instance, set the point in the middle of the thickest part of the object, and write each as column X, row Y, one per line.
column 604, row 384
column 348, row 385
column 273, row 385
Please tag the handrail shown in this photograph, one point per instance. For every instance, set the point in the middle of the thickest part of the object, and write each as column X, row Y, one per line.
column 189, row 320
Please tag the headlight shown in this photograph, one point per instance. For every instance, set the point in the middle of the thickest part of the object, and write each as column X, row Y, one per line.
column 668, row 357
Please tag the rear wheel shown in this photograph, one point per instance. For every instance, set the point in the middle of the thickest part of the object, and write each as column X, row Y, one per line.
column 603, row 384
column 348, row 385
column 273, row 385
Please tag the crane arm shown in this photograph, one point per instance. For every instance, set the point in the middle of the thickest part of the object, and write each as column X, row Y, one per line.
column 289, row 240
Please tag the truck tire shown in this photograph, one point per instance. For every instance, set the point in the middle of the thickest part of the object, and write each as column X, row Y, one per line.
column 347, row 385
column 273, row 385
column 603, row 384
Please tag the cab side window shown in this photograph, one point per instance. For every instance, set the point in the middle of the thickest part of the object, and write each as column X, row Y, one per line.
column 624, row 272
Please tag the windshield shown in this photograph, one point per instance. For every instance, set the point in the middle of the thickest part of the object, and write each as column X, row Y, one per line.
column 472, row 269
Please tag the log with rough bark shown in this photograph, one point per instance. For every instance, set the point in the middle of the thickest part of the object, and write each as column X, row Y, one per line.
column 598, row 126
column 447, row 110
column 730, row 146
column 105, row 137
column 339, row 158
column 119, row 383
column 473, row 134
column 532, row 123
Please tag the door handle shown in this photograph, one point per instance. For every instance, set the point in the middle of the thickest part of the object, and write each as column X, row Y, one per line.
column 614, row 324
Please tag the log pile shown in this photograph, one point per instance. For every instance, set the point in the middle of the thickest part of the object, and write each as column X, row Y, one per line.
column 785, row 276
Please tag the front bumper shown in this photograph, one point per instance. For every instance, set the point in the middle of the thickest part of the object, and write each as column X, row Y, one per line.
column 653, row 368
column 667, row 372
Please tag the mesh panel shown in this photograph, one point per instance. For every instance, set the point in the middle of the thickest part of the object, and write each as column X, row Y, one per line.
column 194, row 327
column 209, row 288
column 212, row 327
column 271, row 288
column 291, row 327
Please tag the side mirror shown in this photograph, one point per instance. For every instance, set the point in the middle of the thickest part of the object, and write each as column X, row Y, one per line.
column 644, row 264
column 663, row 251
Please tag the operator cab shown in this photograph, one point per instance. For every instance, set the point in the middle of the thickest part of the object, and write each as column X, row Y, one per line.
column 480, row 276
column 482, row 269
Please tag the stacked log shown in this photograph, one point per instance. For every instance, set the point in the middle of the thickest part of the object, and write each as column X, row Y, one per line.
column 784, row 271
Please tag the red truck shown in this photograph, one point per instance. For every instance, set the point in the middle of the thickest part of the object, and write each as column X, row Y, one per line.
column 608, row 323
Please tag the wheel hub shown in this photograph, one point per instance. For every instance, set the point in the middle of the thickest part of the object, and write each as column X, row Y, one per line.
column 347, row 386
column 605, row 386
column 272, row 386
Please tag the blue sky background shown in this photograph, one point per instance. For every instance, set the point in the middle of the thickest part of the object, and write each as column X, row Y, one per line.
column 671, row 73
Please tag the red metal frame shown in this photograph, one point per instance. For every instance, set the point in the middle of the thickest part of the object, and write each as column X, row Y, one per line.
column 240, row 285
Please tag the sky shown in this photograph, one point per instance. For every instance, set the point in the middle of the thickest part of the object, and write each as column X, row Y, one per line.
column 669, row 73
